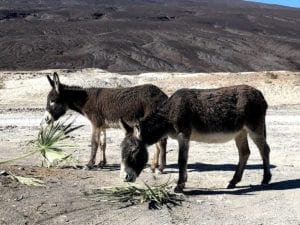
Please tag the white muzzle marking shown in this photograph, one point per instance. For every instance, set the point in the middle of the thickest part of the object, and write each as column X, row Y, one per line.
column 48, row 118
column 127, row 174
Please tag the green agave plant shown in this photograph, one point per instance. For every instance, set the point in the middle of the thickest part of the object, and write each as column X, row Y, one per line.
column 51, row 143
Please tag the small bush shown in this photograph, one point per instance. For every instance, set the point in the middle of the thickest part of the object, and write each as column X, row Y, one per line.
column 271, row 75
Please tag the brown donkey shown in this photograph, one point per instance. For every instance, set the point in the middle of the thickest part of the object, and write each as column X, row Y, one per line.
column 104, row 107
column 212, row 116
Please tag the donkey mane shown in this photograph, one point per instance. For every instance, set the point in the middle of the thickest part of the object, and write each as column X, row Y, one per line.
column 155, row 126
column 75, row 95
column 73, row 88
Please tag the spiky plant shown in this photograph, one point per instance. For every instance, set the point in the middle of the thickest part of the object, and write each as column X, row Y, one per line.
column 51, row 143
column 155, row 196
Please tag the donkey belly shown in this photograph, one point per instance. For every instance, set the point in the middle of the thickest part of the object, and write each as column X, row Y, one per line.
column 216, row 137
column 111, row 124
column 116, row 123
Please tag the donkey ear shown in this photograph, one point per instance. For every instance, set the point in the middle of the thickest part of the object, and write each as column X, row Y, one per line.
column 50, row 81
column 56, row 82
column 128, row 129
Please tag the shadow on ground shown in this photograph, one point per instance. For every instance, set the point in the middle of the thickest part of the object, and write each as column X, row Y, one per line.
column 244, row 190
column 203, row 167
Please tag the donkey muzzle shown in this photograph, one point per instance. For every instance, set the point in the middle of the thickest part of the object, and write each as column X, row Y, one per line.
column 127, row 174
column 48, row 118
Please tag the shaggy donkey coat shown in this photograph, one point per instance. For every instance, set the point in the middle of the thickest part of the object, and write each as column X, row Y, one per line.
column 104, row 107
column 212, row 116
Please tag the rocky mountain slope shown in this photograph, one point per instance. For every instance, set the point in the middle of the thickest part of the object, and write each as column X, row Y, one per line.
column 148, row 35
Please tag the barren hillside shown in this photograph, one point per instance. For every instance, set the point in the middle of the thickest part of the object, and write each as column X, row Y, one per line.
column 141, row 35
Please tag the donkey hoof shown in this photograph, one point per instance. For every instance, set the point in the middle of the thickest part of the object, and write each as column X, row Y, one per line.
column 153, row 169
column 160, row 172
column 179, row 188
column 161, row 169
column 101, row 164
column 231, row 186
column 87, row 167
column 266, row 179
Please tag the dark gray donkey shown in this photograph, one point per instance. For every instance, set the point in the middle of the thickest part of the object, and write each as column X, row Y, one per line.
column 104, row 107
column 212, row 116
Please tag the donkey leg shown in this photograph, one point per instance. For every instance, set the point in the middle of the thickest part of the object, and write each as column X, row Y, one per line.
column 183, row 142
column 155, row 158
column 159, row 156
column 241, row 142
column 259, row 138
column 163, row 154
column 95, row 143
column 102, row 145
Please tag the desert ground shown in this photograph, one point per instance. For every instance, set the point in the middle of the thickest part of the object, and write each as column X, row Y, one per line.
column 211, row 166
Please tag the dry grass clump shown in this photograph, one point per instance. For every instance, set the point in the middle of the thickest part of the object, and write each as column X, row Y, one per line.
column 29, row 181
column 156, row 196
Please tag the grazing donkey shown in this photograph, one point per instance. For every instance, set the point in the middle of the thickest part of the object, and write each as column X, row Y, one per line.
column 104, row 107
column 211, row 116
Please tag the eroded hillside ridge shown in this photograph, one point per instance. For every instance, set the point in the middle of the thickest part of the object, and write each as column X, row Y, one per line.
column 140, row 35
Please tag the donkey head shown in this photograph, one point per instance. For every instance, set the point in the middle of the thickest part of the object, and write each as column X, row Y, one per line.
column 134, row 153
column 56, row 107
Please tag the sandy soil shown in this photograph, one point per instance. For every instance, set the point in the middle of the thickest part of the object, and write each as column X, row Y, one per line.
column 22, row 99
